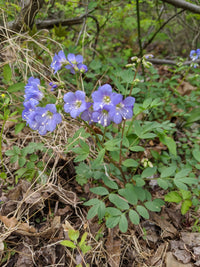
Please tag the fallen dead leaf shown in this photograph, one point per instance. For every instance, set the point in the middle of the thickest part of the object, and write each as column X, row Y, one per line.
column 25, row 257
column 172, row 262
column 168, row 230
column 67, row 226
column 196, row 251
column 158, row 256
column 191, row 239
column 1, row 249
column 32, row 198
column 9, row 222
column 113, row 246
column 152, row 231
column 182, row 255
column 63, row 211
column 25, row 229
column 174, row 215
column 197, row 263
column 21, row 228
column 185, row 88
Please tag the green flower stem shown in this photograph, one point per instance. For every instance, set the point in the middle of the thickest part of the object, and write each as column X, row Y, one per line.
column 77, row 82
column 82, row 84
column 136, row 71
column 120, row 151
column 1, row 134
column 106, row 153
column 104, row 133
column 139, row 34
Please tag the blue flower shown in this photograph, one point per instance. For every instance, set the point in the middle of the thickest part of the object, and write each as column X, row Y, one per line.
column 103, row 97
column 74, row 103
column 195, row 54
column 32, row 89
column 82, row 68
column 87, row 114
column 29, row 111
column 53, row 86
column 75, row 63
column 45, row 119
column 148, row 56
column 58, row 60
column 123, row 109
column 102, row 117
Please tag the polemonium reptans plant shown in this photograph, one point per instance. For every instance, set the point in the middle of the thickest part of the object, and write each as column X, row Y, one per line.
column 109, row 139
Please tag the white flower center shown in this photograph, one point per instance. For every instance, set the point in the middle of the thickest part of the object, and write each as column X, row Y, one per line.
column 106, row 99
column 78, row 103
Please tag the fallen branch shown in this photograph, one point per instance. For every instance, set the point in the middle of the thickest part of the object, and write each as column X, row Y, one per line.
column 171, row 62
column 184, row 5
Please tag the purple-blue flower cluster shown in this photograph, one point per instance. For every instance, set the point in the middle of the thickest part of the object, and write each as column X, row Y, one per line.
column 107, row 106
column 43, row 119
column 195, row 54
column 72, row 63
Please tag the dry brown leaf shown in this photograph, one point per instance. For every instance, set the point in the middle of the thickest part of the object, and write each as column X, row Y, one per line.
column 159, row 254
column 56, row 222
column 48, row 231
column 191, row 239
column 1, row 249
column 182, row 255
column 185, row 88
column 151, row 231
column 172, row 262
column 25, row 257
column 196, row 251
column 113, row 246
column 177, row 244
column 64, row 210
column 197, row 263
column 21, row 228
column 9, row 222
column 168, row 229
column 174, row 215
column 67, row 226
column 33, row 197
column 15, row 193
column 26, row 229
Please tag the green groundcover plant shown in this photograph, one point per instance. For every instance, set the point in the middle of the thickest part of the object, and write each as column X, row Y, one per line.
column 110, row 145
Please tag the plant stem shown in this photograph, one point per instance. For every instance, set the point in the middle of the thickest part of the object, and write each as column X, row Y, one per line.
column 1, row 134
column 139, row 34
column 136, row 71
column 120, row 151
column 109, row 158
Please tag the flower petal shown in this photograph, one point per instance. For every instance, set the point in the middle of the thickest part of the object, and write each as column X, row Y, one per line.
column 69, row 97
column 71, row 57
column 129, row 101
column 79, row 59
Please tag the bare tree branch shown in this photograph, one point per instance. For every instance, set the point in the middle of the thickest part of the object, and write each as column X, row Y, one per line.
column 160, row 28
column 50, row 23
column 184, row 5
